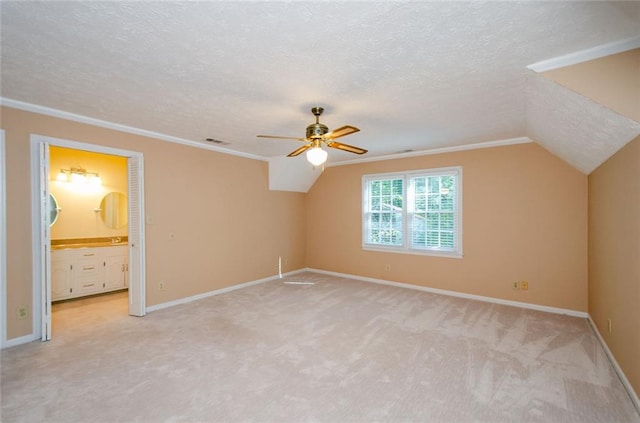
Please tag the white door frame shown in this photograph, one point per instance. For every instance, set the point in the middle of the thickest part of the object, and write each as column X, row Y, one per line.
column 3, row 244
column 40, row 246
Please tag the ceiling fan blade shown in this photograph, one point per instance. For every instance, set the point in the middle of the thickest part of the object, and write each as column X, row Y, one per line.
column 281, row 138
column 341, row 132
column 346, row 147
column 299, row 150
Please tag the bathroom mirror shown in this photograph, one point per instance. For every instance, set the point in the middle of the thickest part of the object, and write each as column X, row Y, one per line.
column 113, row 210
column 54, row 210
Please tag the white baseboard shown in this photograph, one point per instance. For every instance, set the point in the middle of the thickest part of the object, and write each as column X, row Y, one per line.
column 616, row 366
column 218, row 291
column 537, row 307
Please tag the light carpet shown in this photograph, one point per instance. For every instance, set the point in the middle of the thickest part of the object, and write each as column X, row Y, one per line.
column 337, row 350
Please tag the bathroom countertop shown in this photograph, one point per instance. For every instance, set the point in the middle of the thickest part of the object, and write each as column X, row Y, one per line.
column 66, row 244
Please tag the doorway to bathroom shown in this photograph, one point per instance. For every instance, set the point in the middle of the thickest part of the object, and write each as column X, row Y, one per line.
column 99, row 231
column 88, row 220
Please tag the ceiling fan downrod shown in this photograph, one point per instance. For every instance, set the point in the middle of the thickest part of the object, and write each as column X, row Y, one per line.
column 317, row 111
column 316, row 130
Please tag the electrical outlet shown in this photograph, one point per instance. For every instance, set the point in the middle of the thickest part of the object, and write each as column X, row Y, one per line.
column 524, row 285
column 161, row 285
column 516, row 285
column 23, row 312
column 609, row 325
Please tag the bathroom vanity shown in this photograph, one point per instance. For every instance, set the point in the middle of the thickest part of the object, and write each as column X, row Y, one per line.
column 87, row 268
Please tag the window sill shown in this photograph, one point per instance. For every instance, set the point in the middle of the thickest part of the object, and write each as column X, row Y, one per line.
column 432, row 253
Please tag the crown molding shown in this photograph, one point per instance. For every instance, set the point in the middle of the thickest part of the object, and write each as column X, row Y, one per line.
column 169, row 138
column 443, row 150
column 586, row 55
column 28, row 107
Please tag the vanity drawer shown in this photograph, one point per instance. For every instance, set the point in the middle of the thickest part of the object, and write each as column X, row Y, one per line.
column 88, row 286
column 88, row 268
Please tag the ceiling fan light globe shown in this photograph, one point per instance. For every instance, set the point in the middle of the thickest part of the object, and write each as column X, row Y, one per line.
column 316, row 156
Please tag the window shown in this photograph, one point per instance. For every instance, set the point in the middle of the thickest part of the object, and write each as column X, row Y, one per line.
column 416, row 212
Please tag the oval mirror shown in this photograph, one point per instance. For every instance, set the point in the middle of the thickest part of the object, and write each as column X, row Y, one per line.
column 113, row 210
column 54, row 210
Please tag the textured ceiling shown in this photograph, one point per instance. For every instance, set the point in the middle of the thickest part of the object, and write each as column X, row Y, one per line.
column 573, row 127
column 411, row 76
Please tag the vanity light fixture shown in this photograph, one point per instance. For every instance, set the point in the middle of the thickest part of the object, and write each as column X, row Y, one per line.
column 79, row 175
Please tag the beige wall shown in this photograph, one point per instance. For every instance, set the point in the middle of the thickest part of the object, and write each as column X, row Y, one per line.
column 78, row 217
column 229, row 228
column 614, row 256
column 612, row 81
column 614, row 209
column 524, row 218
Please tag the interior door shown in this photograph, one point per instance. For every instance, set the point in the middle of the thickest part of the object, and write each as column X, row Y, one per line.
column 136, row 237
column 45, row 237
column 3, row 244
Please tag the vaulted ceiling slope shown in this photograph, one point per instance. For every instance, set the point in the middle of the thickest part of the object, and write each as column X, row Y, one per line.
column 412, row 76
column 573, row 127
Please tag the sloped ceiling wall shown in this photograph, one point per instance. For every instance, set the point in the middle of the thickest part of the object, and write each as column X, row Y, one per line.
column 292, row 174
column 585, row 112
column 573, row 127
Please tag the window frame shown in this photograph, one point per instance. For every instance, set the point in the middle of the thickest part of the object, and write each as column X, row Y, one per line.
column 407, row 214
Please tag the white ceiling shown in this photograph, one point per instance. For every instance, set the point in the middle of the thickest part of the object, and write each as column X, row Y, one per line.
column 411, row 76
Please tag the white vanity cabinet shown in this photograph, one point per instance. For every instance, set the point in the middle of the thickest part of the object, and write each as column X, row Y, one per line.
column 115, row 269
column 61, row 267
column 88, row 271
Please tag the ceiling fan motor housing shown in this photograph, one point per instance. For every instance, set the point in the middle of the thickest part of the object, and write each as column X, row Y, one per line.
column 316, row 130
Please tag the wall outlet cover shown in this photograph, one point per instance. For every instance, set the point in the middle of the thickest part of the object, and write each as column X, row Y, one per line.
column 23, row 312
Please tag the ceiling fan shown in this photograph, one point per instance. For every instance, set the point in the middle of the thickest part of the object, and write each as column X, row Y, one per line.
column 318, row 134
